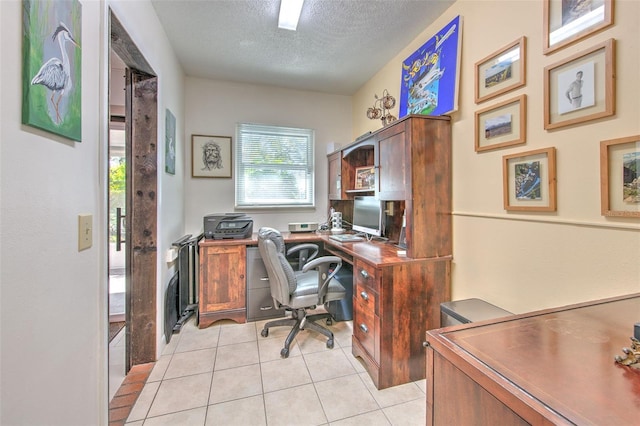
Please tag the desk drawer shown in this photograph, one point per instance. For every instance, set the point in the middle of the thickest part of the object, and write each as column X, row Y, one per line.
column 367, row 298
column 366, row 275
column 256, row 271
column 365, row 329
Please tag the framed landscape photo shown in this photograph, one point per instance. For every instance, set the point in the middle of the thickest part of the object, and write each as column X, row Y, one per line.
column 567, row 21
column 211, row 156
column 501, row 125
column 365, row 178
column 580, row 88
column 529, row 181
column 620, row 177
column 502, row 71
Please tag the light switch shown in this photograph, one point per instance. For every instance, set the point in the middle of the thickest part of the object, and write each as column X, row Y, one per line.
column 85, row 231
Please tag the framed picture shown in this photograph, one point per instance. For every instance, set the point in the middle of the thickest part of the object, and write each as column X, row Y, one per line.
column 580, row 88
column 502, row 125
column 51, row 67
column 567, row 21
column 502, row 71
column 620, row 177
column 365, row 177
column 170, row 143
column 529, row 181
column 430, row 76
column 211, row 156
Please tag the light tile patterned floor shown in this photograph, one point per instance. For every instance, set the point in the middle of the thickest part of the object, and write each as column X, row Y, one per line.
column 227, row 374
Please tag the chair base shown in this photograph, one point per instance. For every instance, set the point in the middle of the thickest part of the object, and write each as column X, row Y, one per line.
column 299, row 321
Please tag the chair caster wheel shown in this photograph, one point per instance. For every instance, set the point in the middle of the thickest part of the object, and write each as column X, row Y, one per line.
column 284, row 353
column 329, row 321
column 264, row 332
column 330, row 344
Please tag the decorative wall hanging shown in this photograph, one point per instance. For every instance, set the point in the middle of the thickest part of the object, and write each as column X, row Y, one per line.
column 502, row 71
column 567, row 21
column 170, row 143
column 211, row 156
column 580, row 88
column 430, row 76
column 529, row 181
column 502, row 125
column 381, row 108
column 51, row 66
column 620, row 177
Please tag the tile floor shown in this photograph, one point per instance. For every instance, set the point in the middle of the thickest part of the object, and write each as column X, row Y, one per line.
column 227, row 374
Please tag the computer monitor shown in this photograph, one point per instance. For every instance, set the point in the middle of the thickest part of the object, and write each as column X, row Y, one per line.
column 367, row 215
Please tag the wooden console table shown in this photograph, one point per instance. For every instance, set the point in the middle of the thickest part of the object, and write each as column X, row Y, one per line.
column 549, row 367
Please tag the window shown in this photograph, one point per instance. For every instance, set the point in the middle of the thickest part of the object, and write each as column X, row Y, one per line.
column 274, row 166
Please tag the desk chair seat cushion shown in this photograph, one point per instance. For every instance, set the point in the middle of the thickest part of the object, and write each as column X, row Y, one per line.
column 306, row 292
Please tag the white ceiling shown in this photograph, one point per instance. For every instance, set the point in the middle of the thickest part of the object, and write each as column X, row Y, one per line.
column 339, row 44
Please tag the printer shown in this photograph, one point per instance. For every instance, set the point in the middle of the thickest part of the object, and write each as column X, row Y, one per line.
column 219, row 226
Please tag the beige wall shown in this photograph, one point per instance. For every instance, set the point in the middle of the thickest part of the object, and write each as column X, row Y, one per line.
column 214, row 108
column 522, row 261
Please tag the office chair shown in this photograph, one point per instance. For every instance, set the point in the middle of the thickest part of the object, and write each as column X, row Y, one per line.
column 297, row 291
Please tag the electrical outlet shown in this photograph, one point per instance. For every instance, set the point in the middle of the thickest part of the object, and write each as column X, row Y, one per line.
column 85, row 231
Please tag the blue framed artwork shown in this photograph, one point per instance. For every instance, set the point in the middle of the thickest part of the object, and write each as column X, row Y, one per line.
column 51, row 66
column 170, row 144
column 430, row 76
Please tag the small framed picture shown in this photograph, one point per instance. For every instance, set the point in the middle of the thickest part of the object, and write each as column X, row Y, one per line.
column 502, row 71
column 567, row 21
column 529, row 181
column 501, row 125
column 365, row 178
column 580, row 88
column 620, row 177
column 211, row 156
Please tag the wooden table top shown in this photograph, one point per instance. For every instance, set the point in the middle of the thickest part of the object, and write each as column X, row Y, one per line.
column 563, row 358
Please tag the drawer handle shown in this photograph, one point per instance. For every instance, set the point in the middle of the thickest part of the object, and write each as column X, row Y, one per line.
column 364, row 274
column 364, row 328
column 364, row 295
column 266, row 308
column 264, row 279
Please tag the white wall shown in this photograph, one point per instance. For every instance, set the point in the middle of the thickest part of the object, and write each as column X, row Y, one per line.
column 520, row 261
column 214, row 108
column 53, row 299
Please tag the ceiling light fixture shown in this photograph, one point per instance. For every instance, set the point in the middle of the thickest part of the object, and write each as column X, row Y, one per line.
column 289, row 14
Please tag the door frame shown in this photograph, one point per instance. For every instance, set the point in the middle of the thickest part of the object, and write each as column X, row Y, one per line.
column 141, row 132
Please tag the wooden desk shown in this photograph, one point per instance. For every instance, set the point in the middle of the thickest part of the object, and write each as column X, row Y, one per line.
column 395, row 299
column 549, row 367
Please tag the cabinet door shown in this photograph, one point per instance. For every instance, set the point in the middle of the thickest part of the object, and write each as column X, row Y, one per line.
column 335, row 176
column 391, row 162
column 222, row 278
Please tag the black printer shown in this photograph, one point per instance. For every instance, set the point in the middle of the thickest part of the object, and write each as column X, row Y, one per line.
column 219, row 226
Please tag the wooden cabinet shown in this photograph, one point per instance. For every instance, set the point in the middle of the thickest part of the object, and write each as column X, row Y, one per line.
column 551, row 367
column 392, row 305
column 222, row 283
column 412, row 159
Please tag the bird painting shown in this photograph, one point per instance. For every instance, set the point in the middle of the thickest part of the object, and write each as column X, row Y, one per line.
column 55, row 74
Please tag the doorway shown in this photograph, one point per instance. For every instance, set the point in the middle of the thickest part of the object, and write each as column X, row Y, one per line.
column 133, row 228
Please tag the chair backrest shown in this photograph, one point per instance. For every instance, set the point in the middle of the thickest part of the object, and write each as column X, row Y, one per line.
column 282, row 279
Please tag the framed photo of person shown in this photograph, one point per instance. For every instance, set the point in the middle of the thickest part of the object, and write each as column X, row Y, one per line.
column 211, row 156
column 365, row 178
column 502, row 71
column 620, row 177
column 567, row 21
column 529, row 181
column 580, row 88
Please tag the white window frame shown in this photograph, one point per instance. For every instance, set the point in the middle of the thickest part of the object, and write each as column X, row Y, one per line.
column 250, row 140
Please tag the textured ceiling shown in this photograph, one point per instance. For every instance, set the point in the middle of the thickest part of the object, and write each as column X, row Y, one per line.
column 339, row 44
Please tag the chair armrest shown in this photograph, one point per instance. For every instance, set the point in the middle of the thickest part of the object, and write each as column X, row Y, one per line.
column 313, row 249
column 323, row 264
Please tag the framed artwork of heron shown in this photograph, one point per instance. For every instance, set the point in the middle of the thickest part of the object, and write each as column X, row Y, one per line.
column 51, row 66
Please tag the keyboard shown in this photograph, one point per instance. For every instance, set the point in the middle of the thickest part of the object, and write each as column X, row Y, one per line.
column 346, row 238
